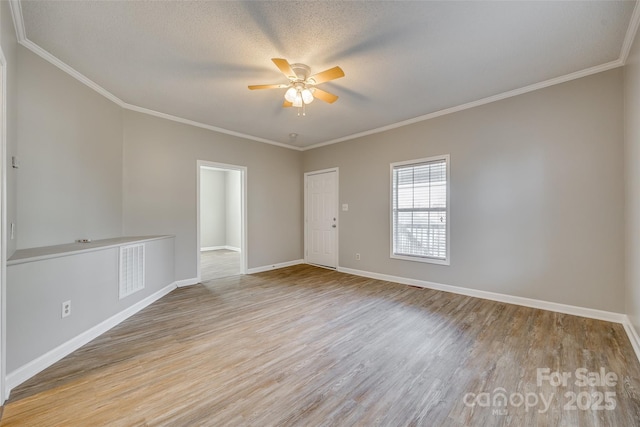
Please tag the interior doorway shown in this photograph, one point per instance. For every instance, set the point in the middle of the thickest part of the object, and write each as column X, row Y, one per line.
column 221, row 248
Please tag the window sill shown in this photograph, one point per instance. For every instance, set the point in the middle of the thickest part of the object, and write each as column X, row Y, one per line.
column 422, row 259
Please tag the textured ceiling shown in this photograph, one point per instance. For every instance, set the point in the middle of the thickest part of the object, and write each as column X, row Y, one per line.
column 402, row 60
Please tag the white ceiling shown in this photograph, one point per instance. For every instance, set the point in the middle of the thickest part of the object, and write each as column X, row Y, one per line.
column 402, row 60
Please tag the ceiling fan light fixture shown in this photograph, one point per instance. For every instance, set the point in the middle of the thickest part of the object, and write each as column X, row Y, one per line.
column 307, row 96
column 290, row 94
column 297, row 102
column 301, row 89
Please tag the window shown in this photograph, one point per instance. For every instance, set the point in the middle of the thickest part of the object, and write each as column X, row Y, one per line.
column 420, row 210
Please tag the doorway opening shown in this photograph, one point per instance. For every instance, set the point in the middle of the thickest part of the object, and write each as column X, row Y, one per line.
column 221, row 233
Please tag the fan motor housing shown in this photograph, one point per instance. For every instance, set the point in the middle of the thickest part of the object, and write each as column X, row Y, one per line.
column 302, row 71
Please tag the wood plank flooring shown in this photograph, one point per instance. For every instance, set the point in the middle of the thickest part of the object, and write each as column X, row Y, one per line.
column 218, row 264
column 304, row 346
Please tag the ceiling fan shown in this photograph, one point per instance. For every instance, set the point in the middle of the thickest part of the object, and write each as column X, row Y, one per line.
column 301, row 89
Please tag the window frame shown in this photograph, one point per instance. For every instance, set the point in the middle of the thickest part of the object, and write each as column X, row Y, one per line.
column 418, row 258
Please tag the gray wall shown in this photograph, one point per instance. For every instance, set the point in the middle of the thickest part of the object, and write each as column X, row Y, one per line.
column 233, row 204
column 632, row 180
column 89, row 280
column 70, row 146
column 160, row 171
column 536, row 194
column 220, row 208
column 537, row 183
column 74, row 181
column 213, row 212
column 10, row 48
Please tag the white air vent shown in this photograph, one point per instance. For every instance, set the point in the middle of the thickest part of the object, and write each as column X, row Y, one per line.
column 131, row 269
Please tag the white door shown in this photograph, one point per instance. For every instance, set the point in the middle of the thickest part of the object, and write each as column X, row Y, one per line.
column 321, row 213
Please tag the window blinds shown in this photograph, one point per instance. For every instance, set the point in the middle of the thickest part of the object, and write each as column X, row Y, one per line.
column 420, row 209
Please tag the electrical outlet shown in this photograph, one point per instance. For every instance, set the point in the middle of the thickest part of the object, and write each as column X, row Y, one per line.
column 357, row 257
column 66, row 308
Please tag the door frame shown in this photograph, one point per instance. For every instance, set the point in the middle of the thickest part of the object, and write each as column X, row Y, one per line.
column 243, row 209
column 336, row 241
column 4, row 393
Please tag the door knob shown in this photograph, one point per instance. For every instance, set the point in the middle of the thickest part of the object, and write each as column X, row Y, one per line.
column 334, row 226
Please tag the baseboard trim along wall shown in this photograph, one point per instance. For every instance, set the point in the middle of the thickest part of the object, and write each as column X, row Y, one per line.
column 32, row 368
column 494, row 296
column 590, row 313
column 633, row 336
column 187, row 282
column 274, row 266
column 218, row 248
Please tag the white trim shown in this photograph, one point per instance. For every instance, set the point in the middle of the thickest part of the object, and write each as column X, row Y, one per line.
column 98, row 246
column 632, row 29
column 415, row 162
column 205, row 126
column 30, row 369
column 483, row 101
column 494, row 296
column 71, row 71
column 18, row 21
column 244, row 174
column 187, row 282
column 274, row 266
column 3, row 230
column 336, row 213
column 218, row 248
column 590, row 313
column 212, row 248
column 633, row 336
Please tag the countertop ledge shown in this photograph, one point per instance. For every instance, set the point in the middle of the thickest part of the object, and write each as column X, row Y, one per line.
column 45, row 252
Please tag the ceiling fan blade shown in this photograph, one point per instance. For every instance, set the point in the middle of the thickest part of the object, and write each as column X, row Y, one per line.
column 325, row 96
column 287, row 104
column 326, row 75
column 254, row 87
column 285, row 67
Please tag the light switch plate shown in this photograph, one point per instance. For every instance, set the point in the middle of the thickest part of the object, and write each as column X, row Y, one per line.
column 345, row 207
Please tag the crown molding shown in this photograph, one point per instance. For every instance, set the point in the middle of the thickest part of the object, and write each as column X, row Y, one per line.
column 102, row 91
column 483, row 101
column 632, row 29
column 18, row 21
column 204, row 126
column 71, row 71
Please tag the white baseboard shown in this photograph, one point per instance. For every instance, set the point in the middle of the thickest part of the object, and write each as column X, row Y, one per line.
column 27, row 371
column 494, row 296
column 274, row 266
column 187, row 282
column 219, row 248
column 633, row 336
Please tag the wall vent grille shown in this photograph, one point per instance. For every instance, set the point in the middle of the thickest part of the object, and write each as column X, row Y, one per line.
column 131, row 269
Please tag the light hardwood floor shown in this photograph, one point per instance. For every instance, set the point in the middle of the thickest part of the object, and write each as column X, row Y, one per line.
column 308, row 346
column 218, row 264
